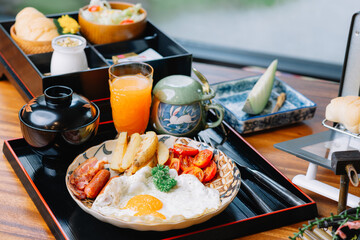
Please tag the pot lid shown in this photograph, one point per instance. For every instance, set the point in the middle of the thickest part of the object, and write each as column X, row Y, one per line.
column 58, row 109
column 180, row 89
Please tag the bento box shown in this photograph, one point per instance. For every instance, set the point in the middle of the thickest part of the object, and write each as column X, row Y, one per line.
column 30, row 73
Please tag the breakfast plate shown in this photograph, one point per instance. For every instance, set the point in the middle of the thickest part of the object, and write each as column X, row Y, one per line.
column 226, row 182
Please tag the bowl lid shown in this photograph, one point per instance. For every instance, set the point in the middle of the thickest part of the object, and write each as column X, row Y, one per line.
column 58, row 109
column 180, row 89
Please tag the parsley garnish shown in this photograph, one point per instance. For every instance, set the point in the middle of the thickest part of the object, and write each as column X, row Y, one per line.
column 162, row 179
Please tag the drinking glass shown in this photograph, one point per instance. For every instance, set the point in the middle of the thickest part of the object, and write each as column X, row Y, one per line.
column 130, row 95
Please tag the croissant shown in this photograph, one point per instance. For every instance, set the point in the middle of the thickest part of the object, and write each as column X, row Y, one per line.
column 345, row 110
column 32, row 25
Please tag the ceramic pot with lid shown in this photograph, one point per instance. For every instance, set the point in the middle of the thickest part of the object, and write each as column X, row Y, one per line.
column 180, row 106
column 58, row 118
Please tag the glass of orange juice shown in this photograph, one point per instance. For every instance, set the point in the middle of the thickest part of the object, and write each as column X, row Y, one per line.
column 130, row 95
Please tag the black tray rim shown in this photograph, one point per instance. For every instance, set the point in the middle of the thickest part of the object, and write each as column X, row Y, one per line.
column 33, row 191
column 267, row 161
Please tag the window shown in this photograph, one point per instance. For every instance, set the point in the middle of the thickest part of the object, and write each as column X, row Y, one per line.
column 312, row 33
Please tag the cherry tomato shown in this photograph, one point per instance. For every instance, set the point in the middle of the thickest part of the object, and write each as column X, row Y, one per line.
column 174, row 164
column 182, row 149
column 203, row 158
column 197, row 172
column 210, row 172
column 186, row 162
column 173, row 154
column 127, row 21
column 94, row 8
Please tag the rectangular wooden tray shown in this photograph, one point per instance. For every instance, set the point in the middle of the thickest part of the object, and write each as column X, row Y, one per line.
column 30, row 73
column 66, row 220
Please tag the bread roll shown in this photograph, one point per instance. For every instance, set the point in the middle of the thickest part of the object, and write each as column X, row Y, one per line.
column 345, row 110
column 28, row 13
column 32, row 25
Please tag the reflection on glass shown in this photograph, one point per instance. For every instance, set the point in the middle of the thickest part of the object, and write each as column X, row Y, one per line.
column 338, row 142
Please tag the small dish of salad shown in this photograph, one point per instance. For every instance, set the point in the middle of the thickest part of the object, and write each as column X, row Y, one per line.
column 100, row 12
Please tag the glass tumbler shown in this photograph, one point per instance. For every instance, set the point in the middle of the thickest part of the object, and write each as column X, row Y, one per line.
column 130, row 95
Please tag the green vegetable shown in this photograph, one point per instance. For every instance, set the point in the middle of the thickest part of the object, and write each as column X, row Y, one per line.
column 58, row 27
column 162, row 179
column 260, row 93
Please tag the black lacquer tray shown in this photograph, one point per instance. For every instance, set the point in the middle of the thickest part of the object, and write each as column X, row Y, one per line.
column 66, row 220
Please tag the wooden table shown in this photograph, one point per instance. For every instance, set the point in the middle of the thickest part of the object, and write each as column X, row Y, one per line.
column 19, row 218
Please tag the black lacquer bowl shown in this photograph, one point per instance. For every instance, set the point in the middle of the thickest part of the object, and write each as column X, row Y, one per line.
column 58, row 119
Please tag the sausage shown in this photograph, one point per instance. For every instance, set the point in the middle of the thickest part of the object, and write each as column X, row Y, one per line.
column 97, row 183
column 83, row 174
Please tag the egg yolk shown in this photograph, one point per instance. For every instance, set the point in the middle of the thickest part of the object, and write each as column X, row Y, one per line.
column 145, row 205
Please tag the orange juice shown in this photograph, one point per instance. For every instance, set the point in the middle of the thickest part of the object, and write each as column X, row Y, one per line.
column 130, row 98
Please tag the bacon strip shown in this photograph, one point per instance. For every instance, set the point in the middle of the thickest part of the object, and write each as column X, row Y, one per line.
column 83, row 174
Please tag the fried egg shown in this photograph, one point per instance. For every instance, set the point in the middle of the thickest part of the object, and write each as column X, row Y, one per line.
column 137, row 196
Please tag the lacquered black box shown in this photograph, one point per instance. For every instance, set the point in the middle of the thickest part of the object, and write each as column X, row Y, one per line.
column 31, row 73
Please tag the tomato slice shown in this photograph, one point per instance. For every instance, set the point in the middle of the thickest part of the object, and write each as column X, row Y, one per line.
column 203, row 158
column 186, row 162
column 210, row 172
column 127, row 21
column 94, row 8
column 182, row 149
column 172, row 153
column 197, row 172
column 174, row 164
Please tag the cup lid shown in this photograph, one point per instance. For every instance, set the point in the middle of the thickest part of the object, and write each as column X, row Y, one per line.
column 180, row 89
column 58, row 109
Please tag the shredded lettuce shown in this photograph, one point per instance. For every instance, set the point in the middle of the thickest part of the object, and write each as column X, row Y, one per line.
column 108, row 16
